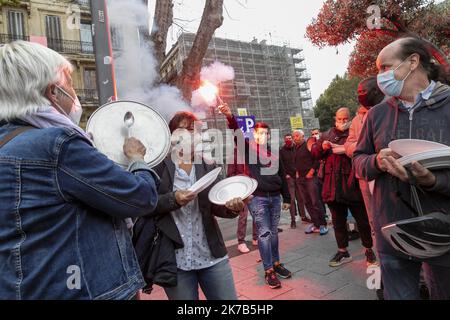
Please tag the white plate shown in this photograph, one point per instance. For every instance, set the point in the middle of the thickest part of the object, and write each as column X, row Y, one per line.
column 405, row 147
column 230, row 188
column 109, row 132
column 255, row 185
column 432, row 160
column 205, row 181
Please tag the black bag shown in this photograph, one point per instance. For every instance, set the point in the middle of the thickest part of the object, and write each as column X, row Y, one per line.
column 156, row 255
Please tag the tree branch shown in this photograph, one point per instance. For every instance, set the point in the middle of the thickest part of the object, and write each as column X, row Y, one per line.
column 212, row 18
column 162, row 21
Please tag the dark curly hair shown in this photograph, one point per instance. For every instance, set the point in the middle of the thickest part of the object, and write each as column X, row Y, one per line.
column 174, row 123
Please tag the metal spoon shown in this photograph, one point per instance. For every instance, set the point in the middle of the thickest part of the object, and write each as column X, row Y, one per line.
column 128, row 120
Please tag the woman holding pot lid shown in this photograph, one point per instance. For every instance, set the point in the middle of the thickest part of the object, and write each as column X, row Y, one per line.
column 62, row 203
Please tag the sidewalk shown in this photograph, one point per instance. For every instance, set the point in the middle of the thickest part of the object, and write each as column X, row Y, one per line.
column 306, row 256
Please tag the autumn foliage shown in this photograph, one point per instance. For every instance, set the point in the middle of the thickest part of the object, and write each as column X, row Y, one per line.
column 341, row 21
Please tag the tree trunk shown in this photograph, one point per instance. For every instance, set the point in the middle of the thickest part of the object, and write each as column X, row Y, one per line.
column 212, row 19
column 162, row 21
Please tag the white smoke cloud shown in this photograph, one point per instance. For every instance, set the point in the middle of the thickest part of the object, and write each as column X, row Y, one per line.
column 215, row 73
column 135, row 64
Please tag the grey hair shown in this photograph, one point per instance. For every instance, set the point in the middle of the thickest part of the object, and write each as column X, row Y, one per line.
column 300, row 131
column 26, row 70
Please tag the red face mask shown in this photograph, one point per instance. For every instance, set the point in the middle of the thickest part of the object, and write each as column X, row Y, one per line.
column 288, row 143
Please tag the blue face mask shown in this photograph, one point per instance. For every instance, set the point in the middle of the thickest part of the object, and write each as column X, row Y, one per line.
column 389, row 85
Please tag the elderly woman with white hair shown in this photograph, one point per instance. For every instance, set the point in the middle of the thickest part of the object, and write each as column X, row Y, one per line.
column 62, row 203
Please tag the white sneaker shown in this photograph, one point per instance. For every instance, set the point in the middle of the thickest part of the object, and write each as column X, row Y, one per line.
column 243, row 248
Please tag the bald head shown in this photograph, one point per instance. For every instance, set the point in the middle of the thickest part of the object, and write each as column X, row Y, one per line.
column 391, row 54
column 298, row 136
column 411, row 63
column 343, row 111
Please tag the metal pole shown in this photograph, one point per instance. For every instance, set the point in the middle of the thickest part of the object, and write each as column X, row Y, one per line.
column 106, row 81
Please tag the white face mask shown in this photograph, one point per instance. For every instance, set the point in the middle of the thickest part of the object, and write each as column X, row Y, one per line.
column 343, row 126
column 317, row 136
column 76, row 111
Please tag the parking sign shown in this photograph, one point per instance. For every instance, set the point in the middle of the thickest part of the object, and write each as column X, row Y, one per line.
column 246, row 123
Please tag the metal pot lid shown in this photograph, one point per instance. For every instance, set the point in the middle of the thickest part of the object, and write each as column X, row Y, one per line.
column 106, row 126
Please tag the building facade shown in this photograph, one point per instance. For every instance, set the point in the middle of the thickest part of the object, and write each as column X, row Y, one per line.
column 64, row 26
column 270, row 82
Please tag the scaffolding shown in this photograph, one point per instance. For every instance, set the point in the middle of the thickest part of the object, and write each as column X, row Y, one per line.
column 271, row 82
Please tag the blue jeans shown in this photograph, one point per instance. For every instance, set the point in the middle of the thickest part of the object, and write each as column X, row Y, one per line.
column 401, row 279
column 216, row 282
column 266, row 214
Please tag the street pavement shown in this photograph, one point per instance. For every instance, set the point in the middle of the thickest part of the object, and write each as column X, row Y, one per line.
column 306, row 256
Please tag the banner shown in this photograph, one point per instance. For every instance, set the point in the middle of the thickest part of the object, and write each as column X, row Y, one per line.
column 242, row 111
column 296, row 123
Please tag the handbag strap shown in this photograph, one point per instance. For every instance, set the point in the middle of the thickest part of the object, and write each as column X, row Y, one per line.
column 13, row 134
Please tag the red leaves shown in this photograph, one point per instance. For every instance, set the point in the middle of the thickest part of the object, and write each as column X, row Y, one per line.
column 340, row 21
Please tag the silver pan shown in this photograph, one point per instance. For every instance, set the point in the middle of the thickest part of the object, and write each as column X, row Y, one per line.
column 107, row 128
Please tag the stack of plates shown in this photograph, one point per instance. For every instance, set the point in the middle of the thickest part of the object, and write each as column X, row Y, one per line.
column 230, row 188
column 431, row 155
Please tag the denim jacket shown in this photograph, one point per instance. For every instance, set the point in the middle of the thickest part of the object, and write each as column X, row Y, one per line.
column 62, row 211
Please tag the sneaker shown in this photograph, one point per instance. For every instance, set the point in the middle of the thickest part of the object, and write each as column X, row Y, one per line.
column 293, row 225
column 306, row 220
column 323, row 230
column 255, row 242
column 243, row 248
column 311, row 229
column 281, row 271
column 340, row 258
column 371, row 257
column 272, row 280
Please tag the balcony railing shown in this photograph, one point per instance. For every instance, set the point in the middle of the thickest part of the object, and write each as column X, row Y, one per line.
column 59, row 45
column 7, row 38
column 87, row 95
column 70, row 46
column 84, row 2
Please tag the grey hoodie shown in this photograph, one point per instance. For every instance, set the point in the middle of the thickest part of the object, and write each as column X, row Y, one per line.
column 430, row 120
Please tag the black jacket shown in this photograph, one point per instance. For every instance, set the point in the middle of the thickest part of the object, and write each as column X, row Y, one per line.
column 167, row 204
column 287, row 155
column 268, row 184
column 303, row 160
column 161, row 267
column 339, row 181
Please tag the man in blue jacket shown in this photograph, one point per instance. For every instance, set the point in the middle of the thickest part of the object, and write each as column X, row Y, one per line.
column 63, row 204
column 419, row 109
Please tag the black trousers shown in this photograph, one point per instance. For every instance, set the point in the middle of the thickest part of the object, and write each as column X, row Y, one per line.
column 339, row 212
